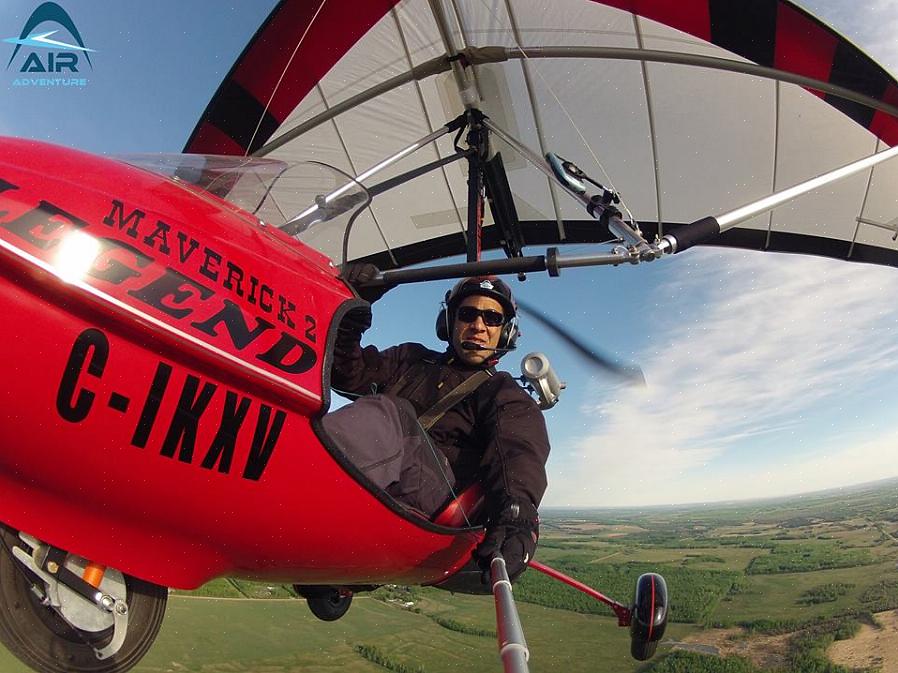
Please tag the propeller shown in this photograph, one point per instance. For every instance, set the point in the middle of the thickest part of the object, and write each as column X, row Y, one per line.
column 629, row 373
column 364, row 276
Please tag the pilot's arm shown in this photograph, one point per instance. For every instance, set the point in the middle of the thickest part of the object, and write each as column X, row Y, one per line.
column 514, row 477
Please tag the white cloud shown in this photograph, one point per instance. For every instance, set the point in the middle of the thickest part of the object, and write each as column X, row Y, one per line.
column 869, row 460
column 773, row 338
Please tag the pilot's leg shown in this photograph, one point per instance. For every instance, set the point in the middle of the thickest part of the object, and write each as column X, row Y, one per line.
column 381, row 436
column 426, row 479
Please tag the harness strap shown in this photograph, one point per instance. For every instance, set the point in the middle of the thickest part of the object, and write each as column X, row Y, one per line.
column 416, row 371
column 453, row 397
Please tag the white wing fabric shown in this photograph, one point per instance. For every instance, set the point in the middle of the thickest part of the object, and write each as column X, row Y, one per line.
column 693, row 109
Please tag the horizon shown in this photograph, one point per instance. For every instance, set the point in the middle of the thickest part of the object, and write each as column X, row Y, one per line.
column 831, row 492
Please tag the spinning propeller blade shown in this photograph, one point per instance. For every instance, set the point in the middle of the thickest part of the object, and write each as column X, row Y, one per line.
column 629, row 373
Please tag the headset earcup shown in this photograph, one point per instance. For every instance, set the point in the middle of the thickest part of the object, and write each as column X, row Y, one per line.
column 442, row 326
column 442, row 333
column 509, row 335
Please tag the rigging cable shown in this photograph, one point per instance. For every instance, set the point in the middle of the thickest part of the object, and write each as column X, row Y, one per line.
column 561, row 106
column 281, row 77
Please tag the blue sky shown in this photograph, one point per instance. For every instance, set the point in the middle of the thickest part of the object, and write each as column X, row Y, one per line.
column 767, row 374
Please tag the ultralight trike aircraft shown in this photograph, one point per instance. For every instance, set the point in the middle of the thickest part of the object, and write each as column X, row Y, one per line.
column 170, row 319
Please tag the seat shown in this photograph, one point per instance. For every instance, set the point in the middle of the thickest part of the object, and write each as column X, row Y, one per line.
column 463, row 510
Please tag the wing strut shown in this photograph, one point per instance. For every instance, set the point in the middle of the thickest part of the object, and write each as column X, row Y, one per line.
column 478, row 141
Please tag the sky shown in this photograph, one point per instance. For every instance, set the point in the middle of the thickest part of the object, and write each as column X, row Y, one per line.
column 767, row 375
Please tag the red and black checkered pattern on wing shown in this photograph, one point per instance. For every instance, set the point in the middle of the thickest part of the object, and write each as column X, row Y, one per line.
column 777, row 34
column 269, row 80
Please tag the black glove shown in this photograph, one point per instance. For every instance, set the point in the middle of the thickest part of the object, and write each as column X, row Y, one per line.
column 513, row 532
column 356, row 322
column 358, row 274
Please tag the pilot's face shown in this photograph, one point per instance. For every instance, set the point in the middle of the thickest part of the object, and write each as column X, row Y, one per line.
column 470, row 327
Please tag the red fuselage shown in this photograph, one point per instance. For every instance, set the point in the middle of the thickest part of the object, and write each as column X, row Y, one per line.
column 157, row 408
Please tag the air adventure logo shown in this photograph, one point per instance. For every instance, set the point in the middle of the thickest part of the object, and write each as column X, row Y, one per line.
column 49, row 51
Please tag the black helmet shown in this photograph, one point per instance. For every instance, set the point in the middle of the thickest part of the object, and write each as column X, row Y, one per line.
column 487, row 286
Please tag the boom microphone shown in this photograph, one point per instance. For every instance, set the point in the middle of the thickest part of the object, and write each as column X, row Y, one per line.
column 474, row 346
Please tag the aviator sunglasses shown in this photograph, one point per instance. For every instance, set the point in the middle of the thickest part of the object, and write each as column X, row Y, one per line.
column 490, row 317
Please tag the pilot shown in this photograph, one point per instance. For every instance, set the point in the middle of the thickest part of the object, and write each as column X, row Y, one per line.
column 480, row 424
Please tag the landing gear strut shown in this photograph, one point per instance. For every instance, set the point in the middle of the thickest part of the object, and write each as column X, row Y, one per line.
column 646, row 617
column 55, row 628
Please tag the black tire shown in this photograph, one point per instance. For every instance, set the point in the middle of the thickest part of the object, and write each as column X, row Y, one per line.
column 46, row 642
column 648, row 616
column 327, row 603
column 643, row 650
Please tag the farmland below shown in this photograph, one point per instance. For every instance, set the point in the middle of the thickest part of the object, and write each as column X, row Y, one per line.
column 800, row 584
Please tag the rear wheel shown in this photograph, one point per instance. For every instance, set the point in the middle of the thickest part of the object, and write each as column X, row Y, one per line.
column 65, row 639
column 326, row 603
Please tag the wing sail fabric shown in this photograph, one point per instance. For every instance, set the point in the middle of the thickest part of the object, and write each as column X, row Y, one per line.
column 678, row 141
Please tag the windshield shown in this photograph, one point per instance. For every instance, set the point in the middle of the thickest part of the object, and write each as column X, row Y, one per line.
column 310, row 201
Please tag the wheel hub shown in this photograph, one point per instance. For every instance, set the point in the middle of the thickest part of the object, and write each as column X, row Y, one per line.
column 79, row 612
column 86, row 608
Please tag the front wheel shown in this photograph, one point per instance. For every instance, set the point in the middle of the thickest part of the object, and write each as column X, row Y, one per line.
column 648, row 615
column 66, row 638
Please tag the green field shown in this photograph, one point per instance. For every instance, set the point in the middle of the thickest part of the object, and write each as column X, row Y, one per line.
column 812, row 568
column 280, row 636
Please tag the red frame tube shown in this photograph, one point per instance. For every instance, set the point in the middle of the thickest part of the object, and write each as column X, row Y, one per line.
column 623, row 613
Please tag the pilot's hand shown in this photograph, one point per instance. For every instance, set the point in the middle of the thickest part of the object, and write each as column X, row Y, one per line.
column 356, row 321
column 512, row 532
column 358, row 275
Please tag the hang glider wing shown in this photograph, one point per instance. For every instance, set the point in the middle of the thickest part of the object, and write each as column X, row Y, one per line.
column 693, row 108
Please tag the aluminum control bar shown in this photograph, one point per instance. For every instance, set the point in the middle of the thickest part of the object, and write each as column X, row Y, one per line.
column 512, row 645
